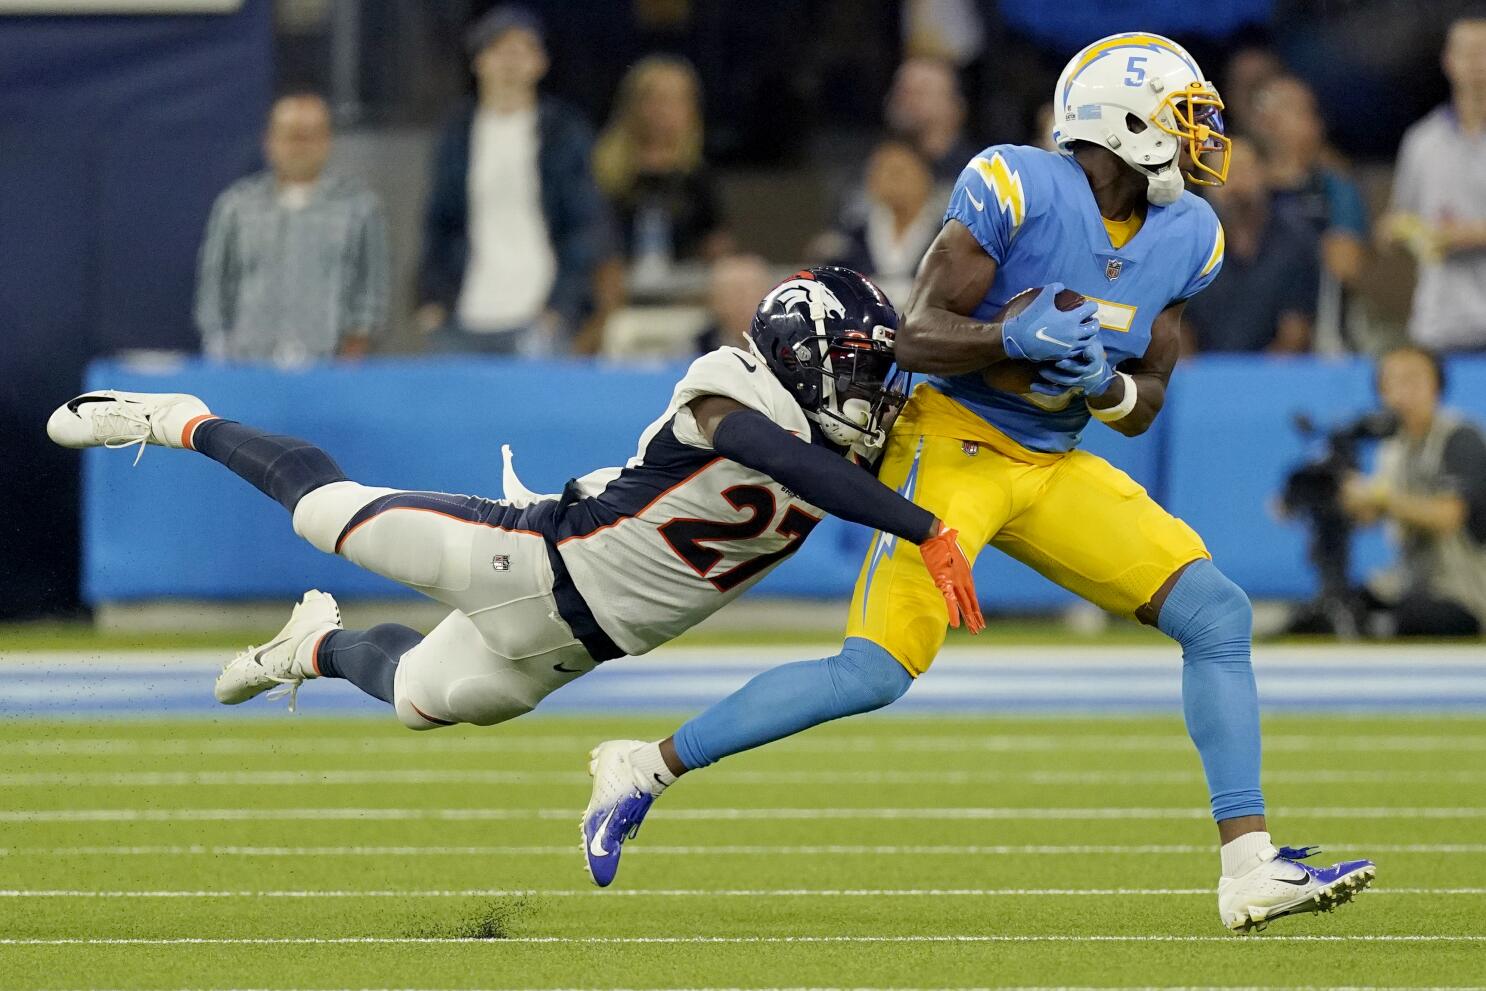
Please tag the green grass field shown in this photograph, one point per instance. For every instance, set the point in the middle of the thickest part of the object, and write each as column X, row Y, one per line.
column 291, row 852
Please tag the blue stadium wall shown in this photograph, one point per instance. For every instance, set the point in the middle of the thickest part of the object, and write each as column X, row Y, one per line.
column 179, row 525
column 115, row 135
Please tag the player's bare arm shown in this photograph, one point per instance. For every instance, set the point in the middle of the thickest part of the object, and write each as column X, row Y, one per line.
column 938, row 335
column 1148, row 374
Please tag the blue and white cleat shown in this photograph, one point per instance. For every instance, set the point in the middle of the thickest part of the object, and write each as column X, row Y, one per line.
column 1280, row 885
column 621, row 797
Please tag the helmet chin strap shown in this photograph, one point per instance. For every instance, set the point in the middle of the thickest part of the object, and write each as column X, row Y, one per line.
column 1165, row 187
column 856, row 413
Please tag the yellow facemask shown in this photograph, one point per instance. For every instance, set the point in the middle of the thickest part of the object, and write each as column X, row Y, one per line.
column 1196, row 111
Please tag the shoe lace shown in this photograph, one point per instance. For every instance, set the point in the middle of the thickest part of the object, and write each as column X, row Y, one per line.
column 1297, row 853
column 288, row 688
column 126, row 428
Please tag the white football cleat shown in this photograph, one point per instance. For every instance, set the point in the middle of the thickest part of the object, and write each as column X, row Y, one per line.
column 124, row 419
column 286, row 660
column 1280, row 885
column 622, row 794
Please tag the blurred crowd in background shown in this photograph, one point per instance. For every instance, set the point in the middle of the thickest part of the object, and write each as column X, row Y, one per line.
column 640, row 202
column 301, row 180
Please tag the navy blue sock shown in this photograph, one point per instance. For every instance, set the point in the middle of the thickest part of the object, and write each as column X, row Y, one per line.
column 366, row 658
column 283, row 468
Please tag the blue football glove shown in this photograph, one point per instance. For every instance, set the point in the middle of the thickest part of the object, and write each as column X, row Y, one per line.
column 1088, row 371
column 1042, row 332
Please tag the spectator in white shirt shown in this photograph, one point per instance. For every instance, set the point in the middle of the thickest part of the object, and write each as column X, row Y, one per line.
column 1439, row 202
column 515, row 224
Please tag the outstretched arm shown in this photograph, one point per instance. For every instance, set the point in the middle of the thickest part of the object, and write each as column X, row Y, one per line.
column 821, row 477
column 828, row 480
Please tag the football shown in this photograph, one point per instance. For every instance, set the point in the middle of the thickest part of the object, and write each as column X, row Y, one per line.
column 1016, row 376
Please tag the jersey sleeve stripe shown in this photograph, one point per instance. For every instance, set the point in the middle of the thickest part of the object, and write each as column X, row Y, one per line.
column 1216, row 255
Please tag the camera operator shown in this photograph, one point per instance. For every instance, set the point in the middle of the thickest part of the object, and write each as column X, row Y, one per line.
column 1430, row 488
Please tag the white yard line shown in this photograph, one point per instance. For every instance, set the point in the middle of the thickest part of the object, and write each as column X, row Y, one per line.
column 687, row 893
column 623, row 940
column 443, row 776
column 1162, row 850
column 1217, row 987
column 705, row 814
column 513, row 740
column 1222, row 987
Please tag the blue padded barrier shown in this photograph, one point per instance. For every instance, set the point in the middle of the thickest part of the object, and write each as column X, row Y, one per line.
column 179, row 525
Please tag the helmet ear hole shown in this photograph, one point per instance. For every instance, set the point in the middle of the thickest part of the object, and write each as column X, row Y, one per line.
column 1134, row 124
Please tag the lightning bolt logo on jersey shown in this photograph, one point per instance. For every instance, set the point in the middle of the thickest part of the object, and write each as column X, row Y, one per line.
column 1034, row 213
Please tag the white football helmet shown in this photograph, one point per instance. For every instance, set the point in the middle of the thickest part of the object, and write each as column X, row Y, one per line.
column 1145, row 99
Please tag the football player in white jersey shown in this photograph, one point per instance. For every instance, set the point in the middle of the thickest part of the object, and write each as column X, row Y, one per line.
column 756, row 445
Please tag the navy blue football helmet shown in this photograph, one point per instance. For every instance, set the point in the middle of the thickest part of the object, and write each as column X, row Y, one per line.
column 827, row 334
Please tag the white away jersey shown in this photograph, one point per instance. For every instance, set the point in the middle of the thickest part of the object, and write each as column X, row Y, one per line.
column 679, row 532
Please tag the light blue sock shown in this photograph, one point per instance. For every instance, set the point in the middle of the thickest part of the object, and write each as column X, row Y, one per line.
column 793, row 697
column 1211, row 618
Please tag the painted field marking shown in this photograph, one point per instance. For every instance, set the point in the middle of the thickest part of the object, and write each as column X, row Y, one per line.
column 623, row 940
column 707, row 815
column 1223, row 987
column 444, row 776
column 683, row 893
column 816, row 850
column 854, row 744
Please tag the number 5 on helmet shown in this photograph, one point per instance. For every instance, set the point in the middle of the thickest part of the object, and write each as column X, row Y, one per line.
column 950, row 569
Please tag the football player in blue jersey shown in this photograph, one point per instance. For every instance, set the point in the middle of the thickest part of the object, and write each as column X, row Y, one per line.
column 990, row 445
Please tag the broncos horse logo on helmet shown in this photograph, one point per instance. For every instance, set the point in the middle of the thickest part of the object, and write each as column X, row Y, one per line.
column 827, row 334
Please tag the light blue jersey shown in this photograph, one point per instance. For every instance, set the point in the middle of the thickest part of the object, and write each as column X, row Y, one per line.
column 1034, row 213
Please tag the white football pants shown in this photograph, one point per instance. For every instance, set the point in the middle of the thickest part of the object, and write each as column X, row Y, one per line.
column 504, row 648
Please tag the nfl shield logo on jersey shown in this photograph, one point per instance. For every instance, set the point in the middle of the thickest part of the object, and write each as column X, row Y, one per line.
column 501, row 562
column 1112, row 269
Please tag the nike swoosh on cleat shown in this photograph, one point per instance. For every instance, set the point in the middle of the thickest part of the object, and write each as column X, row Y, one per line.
column 1296, row 881
column 258, row 654
column 975, row 202
column 656, row 776
column 566, row 670
column 1042, row 335
column 751, row 368
column 80, row 401
column 595, row 847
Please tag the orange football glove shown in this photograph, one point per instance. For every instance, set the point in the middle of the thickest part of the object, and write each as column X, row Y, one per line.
column 950, row 569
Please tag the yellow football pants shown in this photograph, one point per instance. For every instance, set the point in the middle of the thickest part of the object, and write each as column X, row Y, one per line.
column 1072, row 517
